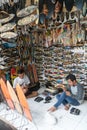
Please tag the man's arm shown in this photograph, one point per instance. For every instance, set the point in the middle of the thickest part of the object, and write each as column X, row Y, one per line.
column 61, row 86
column 68, row 93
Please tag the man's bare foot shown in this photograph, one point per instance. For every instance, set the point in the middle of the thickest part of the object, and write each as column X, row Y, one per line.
column 67, row 107
column 52, row 109
column 33, row 94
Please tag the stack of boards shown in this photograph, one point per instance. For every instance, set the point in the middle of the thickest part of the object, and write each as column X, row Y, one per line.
column 14, row 101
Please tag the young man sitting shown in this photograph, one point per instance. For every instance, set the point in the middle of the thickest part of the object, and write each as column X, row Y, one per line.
column 74, row 95
column 24, row 82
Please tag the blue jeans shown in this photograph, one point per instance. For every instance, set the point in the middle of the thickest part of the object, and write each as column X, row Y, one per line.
column 64, row 99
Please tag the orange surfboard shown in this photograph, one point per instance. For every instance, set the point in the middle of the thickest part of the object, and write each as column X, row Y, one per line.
column 14, row 97
column 23, row 102
column 6, row 94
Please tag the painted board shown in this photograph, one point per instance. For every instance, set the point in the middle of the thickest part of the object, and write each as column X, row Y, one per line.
column 69, row 4
column 6, row 94
column 14, row 97
column 79, row 4
column 23, row 102
column 46, row 9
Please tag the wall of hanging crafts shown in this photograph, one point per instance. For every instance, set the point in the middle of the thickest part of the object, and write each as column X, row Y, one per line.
column 28, row 20
column 24, row 18
column 11, row 6
column 61, row 25
column 60, row 11
column 9, row 54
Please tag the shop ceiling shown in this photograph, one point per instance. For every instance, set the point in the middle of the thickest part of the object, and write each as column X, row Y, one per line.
column 58, row 10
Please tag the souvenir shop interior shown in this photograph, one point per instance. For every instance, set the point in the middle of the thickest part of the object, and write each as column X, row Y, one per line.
column 48, row 40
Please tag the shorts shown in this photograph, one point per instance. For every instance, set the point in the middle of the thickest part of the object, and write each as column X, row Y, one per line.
column 33, row 88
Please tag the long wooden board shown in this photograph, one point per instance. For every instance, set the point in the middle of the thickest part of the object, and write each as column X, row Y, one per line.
column 35, row 73
column 31, row 76
column 14, row 98
column 23, row 102
column 6, row 94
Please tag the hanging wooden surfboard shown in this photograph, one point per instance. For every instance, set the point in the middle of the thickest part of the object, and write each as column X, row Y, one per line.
column 35, row 73
column 6, row 94
column 46, row 9
column 36, row 2
column 79, row 4
column 14, row 97
column 7, row 27
column 31, row 76
column 23, row 102
column 3, row 14
column 41, row 16
column 27, row 20
column 58, row 6
column 69, row 4
column 84, row 8
column 26, row 11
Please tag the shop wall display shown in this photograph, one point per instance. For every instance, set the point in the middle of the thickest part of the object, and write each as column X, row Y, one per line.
column 50, row 39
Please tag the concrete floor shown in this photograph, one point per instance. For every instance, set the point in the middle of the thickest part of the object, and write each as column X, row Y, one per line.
column 42, row 120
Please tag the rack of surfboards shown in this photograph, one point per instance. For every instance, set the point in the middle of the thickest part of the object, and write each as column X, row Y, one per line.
column 15, row 101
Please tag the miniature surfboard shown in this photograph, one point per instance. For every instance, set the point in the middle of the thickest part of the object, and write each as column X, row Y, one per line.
column 27, row 11
column 46, row 9
column 84, row 9
column 79, row 4
column 69, row 4
column 14, row 98
column 23, row 102
column 58, row 6
column 6, row 94
column 37, row 11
